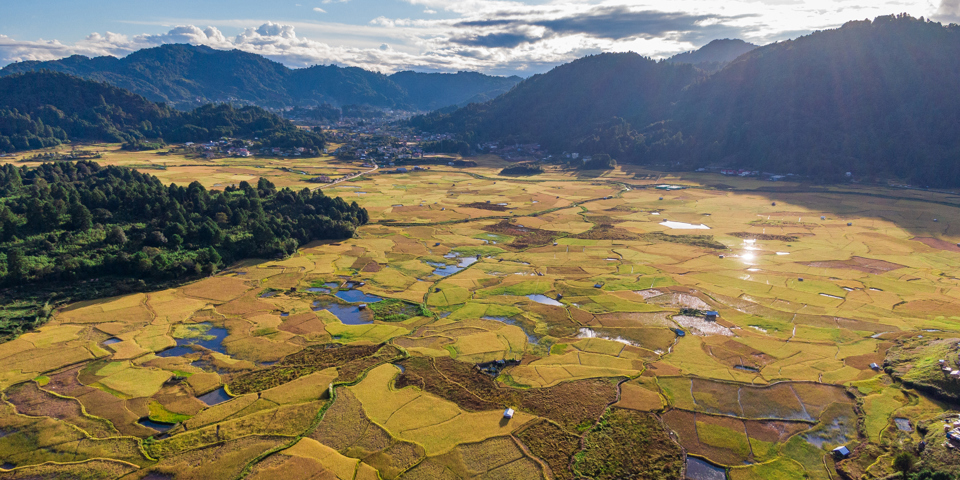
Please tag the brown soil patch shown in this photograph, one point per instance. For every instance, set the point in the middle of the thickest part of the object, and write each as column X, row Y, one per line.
column 524, row 237
column 861, row 264
column 607, row 232
column 938, row 244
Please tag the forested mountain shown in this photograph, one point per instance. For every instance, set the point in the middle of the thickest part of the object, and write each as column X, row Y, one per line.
column 874, row 98
column 187, row 76
column 871, row 97
column 42, row 109
column 714, row 55
column 580, row 103
column 64, row 222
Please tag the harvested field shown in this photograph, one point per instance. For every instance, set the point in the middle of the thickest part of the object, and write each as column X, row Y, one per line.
column 860, row 264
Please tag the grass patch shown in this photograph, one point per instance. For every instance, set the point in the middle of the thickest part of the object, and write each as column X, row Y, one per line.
column 628, row 444
column 393, row 310
column 159, row 413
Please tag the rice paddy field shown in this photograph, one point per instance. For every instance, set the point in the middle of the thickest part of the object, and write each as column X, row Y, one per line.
column 579, row 300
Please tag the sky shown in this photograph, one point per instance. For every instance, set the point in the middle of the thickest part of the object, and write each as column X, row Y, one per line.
column 499, row 37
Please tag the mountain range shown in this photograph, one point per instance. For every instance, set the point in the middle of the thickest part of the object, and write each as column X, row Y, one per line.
column 44, row 109
column 874, row 98
column 187, row 76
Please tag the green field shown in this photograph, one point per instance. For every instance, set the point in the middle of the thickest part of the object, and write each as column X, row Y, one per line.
column 574, row 286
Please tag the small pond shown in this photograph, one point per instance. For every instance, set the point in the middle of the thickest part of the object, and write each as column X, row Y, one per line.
column 215, row 397
column 347, row 314
column 683, row 226
column 111, row 341
column 591, row 333
column 545, row 300
column 903, row 424
column 746, row 368
column 269, row 293
column 356, row 296
column 158, row 426
column 8, row 466
column 209, row 337
column 531, row 337
column 698, row 469
column 443, row 270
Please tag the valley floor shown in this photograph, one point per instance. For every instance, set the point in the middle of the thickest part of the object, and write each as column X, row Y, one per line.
column 580, row 294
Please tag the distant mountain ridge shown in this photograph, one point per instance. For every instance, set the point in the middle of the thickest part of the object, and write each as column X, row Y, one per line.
column 44, row 109
column 875, row 98
column 714, row 55
column 188, row 76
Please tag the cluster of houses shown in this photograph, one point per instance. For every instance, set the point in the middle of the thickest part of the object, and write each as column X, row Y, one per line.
column 228, row 147
column 407, row 170
column 952, row 431
column 948, row 370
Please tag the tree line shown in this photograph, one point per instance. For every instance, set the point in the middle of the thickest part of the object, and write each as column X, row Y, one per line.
column 64, row 222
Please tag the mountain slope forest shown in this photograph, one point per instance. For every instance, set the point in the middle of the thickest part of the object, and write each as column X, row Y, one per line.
column 43, row 109
column 187, row 76
column 82, row 230
column 877, row 98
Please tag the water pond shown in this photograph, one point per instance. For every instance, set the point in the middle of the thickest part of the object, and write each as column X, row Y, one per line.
column 903, row 424
column 443, row 270
column 158, row 426
column 545, row 300
column 356, row 296
column 111, row 341
column 215, row 397
column 347, row 314
column 698, row 469
column 591, row 333
column 683, row 226
column 208, row 337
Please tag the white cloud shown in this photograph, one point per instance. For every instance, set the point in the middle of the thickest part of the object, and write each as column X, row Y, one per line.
column 319, row 10
column 498, row 36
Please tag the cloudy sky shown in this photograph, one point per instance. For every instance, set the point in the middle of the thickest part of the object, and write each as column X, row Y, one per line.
column 493, row 36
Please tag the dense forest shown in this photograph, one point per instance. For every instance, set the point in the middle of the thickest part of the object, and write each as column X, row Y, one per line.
column 186, row 76
column 572, row 103
column 65, row 222
column 875, row 98
column 43, row 109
